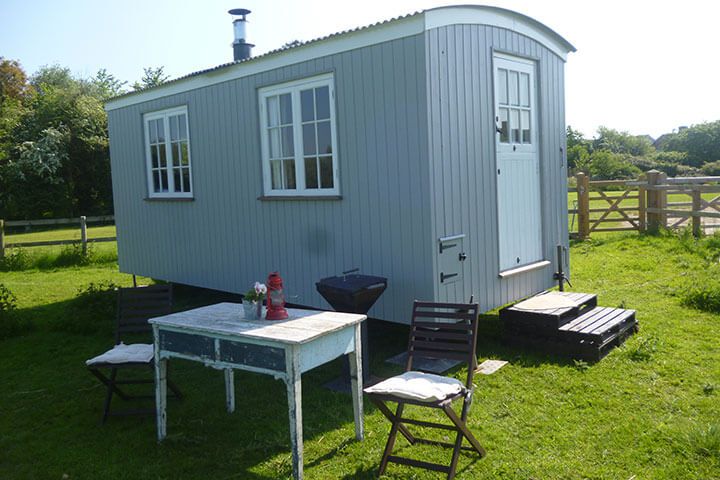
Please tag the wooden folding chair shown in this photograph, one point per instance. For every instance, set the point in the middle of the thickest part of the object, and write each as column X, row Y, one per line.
column 134, row 307
column 437, row 331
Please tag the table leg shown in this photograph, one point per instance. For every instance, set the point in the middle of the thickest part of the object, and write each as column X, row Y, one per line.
column 356, row 384
column 230, row 389
column 294, row 393
column 160, row 390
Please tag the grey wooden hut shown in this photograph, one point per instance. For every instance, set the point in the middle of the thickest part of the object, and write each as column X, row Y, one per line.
column 428, row 149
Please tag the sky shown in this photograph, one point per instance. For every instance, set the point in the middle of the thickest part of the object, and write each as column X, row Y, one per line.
column 645, row 67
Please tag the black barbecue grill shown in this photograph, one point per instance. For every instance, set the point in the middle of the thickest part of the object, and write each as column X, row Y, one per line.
column 353, row 293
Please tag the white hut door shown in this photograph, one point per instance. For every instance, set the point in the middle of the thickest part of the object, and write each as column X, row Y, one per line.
column 518, row 165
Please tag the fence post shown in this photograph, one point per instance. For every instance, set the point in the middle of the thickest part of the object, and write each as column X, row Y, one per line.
column 2, row 238
column 83, row 234
column 642, row 205
column 656, row 200
column 696, row 209
column 583, row 193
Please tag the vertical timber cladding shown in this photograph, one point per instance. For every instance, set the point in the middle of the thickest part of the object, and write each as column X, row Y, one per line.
column 461, row 121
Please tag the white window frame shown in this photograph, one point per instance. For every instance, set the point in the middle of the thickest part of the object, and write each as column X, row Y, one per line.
column 165, row 115
column 294, row 88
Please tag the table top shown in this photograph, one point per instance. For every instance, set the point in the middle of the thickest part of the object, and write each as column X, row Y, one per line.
column 229, row 319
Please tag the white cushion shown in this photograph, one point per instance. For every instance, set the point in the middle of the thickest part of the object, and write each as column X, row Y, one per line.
column 423, row 387
column 121, row 353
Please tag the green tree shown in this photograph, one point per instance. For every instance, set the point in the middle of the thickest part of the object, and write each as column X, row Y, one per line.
column 152, row 77
column 607, row 165
column 106, row 85
column 700, row 142
column 578, row 150
column 621, row 142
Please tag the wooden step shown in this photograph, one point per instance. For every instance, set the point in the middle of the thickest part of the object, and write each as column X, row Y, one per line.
column 550, row 319
column 598, row 324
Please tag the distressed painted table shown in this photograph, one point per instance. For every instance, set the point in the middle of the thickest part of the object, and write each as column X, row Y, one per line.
column 220, row 337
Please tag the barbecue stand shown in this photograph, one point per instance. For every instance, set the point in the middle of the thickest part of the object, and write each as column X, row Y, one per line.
column 352, row 293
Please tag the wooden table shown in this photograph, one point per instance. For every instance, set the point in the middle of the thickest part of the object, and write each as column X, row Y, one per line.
column 220, row 337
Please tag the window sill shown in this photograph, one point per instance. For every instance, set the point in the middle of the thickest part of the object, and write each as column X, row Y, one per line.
column 524, row 268
column 169, row 199
column 274, row 198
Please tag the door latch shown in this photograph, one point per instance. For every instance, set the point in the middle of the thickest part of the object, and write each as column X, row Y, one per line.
column 462, row 257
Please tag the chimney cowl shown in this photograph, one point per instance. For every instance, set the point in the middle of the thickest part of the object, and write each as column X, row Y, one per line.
column 242, row 50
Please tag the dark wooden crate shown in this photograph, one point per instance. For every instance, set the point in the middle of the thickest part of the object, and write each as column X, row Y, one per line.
column 547, row 321
column 598, row 324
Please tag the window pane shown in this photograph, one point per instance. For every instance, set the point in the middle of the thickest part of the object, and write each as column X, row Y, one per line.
column 186, row 179
column 276, row 174
column 285, row 109
column 156, row 181
column 515, row 125
column 324, row 137
column 163, row 180
column 513, row 88
column 173, row 128
column 163, row 156
column 525, row 117
column 524, row 89
column 326, row 172
column 176, row 177
column 161, row 130
column 309, row 139
column 274, row 139
column 502, row 86
column 289, row 174
column 185, row 160
column 504, row 127
column 175, row 154
column 311, row 174
column 154, row 156
column 153, row 131
column 307, row 105
column 288, row 149
column 273, row 112
column 183, row 127
column 322, row 102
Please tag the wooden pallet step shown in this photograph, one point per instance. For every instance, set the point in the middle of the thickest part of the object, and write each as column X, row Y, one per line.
column 598, row 324
column 554, row 318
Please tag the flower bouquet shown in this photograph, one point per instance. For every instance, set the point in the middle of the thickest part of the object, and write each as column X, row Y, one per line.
column 253, row 300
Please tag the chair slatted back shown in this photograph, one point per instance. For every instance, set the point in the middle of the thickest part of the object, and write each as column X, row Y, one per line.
column 444, row 331
column 137, row 305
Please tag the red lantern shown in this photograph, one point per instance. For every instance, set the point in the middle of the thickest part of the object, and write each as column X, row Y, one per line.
column 275, row 298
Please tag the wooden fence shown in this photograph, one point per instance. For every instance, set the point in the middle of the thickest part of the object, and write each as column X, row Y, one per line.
column 646, row 204
column 82, row 221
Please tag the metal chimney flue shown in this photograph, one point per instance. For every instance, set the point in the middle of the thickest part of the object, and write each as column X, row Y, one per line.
column 241, row 48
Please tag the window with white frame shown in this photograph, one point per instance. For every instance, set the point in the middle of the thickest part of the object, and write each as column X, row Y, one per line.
column 167, row 149
column 298, row 138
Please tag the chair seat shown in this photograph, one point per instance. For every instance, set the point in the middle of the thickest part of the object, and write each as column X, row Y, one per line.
column 418, row 386
column 121, row 353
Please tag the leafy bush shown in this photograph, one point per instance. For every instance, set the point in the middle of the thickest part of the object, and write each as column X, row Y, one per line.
column 8, row 302
column 73, row 255
column 711, row 168
column 642, row 349
column 9, row 324
column 671, row 157
column 15, row 259
column 705, row 297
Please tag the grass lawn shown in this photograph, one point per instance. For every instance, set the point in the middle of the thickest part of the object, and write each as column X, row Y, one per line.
column 53, row 234
column 649, row 410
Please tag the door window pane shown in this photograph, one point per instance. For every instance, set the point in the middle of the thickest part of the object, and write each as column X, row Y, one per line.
column 173, row 128
column 184, row 152
column 515, row 125
column 153, row 131
column 176, row 177
column 311, row 174
column 307, row 105
column 513, row 87
column 525, row 117
column 502, row 86
column 175, row 149
column 186, row 179
column 524, row 90
column 162, row 156
column 504, row 127
column 322, row 102
column 160, row 130
column 183, row 127
column 154, row 156
column 274, row 139
column 276, row 174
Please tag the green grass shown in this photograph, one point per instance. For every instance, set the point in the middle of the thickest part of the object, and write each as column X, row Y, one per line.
column 649, row 410
column 60, row 234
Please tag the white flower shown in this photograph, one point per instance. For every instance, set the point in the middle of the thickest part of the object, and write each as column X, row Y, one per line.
column 260, row 288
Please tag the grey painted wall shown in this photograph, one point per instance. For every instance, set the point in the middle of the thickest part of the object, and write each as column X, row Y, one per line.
column 416, row 162
column 226, row 238
column 462, row 156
